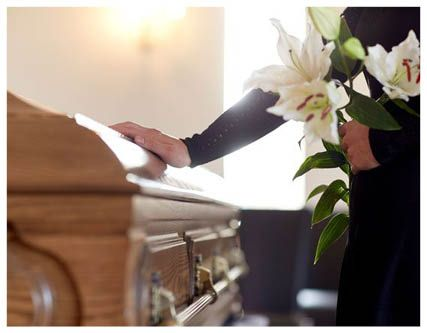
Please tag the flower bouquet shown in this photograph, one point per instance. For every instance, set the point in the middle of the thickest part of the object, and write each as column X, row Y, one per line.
column 308, row 93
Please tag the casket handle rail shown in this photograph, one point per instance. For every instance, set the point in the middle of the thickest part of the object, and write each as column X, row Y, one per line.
column 163, row 311
column 206, row 290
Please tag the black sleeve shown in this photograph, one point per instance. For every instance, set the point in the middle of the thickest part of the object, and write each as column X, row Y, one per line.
column 243, row 123
column 390, row 145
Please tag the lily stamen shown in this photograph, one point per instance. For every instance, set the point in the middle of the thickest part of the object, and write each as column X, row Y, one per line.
column 408, row 68
column 309, row 117
column 325, row 112
column 303, row 104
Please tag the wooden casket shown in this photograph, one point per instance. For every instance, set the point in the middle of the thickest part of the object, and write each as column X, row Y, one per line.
column 100, row 234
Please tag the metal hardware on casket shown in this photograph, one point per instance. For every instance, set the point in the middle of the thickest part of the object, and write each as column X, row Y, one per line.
column 237, row 258
column 220, row 268
column 163, row 310
column 204, row 284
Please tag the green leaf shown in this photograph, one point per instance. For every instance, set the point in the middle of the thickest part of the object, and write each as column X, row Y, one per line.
column 401, row 104
column 331, row 147
column 346, row 197
column 337, row 61
column 326, row 20
column 346, row 168
column 335, row 228
column 319, row 189
column 326, row 204
column 369, row 112
column 383, row 99
column 354, row 49
column 323, row 160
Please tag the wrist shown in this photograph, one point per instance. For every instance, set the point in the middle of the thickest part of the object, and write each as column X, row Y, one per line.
column 185, row 159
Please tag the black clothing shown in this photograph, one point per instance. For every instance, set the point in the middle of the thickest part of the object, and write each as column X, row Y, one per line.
column 242, row 124
column 380, row 275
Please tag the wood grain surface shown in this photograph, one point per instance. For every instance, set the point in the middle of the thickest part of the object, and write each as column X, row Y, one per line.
column 40, row 291
column 52, row 153
column 84, row 241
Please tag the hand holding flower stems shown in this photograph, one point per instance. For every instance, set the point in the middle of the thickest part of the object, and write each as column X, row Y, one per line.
column 308, row 94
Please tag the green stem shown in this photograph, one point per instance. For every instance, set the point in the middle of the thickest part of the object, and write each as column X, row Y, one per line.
column 383, row 99
column 347, row 73
column 350, row 96
column 360, row 70
column 344, row 62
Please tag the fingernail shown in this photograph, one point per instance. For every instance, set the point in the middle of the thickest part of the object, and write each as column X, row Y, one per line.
column 140, row 140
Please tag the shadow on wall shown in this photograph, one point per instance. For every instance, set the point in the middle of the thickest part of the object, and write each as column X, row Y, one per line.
column 280, row 247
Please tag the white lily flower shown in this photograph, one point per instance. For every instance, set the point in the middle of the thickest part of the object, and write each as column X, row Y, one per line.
column 314, row 103
column 303, row 62
column 399, row 70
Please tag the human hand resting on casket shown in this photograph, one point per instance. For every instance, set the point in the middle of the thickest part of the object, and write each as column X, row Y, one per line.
column 171, row 150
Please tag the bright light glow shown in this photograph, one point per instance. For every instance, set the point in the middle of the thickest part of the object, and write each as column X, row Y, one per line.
column 147, row 19
column 262, row 172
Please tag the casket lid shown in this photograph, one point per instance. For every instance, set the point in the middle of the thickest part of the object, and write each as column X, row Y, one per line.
column 54, row 152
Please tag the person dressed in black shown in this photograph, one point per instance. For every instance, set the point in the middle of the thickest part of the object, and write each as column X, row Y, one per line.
column 380, row 274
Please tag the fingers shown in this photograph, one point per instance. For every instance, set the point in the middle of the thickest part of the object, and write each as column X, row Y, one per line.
column 158, row 170
column 147, row 138
column 355, row 143
column 343, row 129
column 155, row 144
column 171, row 150
column 142, row 136
column 350, row 158
column 145, row 142
column 344, row 145
column 121, row 126
column 130, row 129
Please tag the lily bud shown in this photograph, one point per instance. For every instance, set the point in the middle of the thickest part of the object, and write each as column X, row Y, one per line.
column 326, row 20
column 354, row 49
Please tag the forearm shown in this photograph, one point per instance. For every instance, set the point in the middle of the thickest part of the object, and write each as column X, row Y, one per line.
column 243, row 123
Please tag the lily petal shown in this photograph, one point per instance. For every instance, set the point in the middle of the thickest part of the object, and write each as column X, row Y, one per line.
column 287, row 45
column 314, row 103
column 315, row 56
column 376, row 65
column 270, row 78
column 395, row 93
column 325, row 129
column 399, row 70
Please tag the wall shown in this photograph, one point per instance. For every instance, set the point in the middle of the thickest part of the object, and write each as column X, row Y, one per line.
column 80, row 60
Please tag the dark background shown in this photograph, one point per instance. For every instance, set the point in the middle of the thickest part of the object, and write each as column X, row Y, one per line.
column 280, row 248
